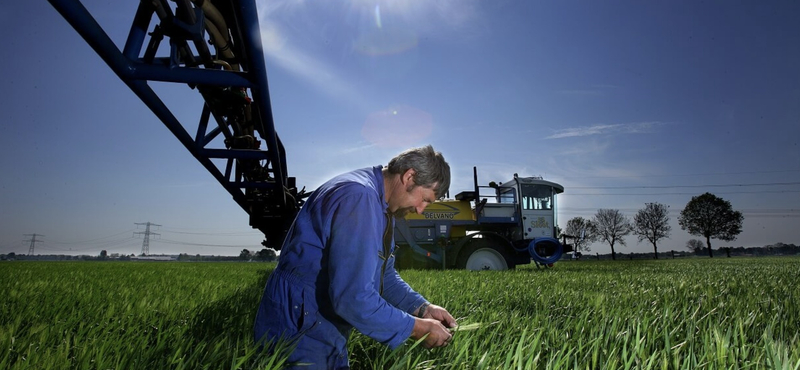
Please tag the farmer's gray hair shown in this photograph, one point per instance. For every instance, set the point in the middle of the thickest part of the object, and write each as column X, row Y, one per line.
column 430, row 167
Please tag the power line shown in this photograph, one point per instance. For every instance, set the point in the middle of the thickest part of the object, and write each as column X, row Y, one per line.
column 685, row 186
column 113, row 242
column 760, row 213
column 97, row 240
column 253, row 233
column 118, row 245
column 167, row 241
column 721, row 192
column 751, row 210
column 683, row 175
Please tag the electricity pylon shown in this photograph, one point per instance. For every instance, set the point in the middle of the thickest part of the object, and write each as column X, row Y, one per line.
column 33, row 242
column 147, row 233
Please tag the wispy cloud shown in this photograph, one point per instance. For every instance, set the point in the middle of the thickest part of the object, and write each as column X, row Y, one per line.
column 581, row 92
column 285, row 22
column 594, row 90
column 619, row 128
column 354, row 149
column 310, row 68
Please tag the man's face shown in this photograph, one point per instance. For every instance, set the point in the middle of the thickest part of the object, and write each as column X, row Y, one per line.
column 414, row 199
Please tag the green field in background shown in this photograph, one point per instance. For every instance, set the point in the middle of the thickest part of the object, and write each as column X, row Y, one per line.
column 698, row 313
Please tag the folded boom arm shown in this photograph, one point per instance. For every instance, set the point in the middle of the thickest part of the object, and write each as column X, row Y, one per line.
column 214, row 47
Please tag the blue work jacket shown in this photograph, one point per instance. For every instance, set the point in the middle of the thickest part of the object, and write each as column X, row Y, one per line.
column 332, row 275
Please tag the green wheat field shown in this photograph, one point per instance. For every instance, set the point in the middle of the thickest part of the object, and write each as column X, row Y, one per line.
column 697, row 313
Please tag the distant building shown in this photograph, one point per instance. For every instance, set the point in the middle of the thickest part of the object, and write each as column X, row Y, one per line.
column 153, row 258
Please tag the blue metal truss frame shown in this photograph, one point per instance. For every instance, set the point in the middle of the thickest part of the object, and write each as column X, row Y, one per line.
column 272, row 199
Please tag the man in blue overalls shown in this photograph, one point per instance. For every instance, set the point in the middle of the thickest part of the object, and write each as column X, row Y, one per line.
column 336, row 269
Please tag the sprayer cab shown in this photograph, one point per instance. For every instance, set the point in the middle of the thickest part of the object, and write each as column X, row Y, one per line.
column 529, row 201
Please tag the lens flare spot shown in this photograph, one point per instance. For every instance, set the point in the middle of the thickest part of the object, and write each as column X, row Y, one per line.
column 385, row 39
column 378, row 16
column 399, row 126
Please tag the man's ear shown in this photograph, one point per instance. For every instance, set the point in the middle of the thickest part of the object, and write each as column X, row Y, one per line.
column 408, row 176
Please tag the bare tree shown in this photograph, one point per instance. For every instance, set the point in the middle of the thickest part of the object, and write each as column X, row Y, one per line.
column 583, row 233
column 652, row 223
column 712, row 217
column 612, row 227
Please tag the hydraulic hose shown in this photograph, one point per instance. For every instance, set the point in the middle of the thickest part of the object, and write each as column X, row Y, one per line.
column 545, row 243
column 218, row 29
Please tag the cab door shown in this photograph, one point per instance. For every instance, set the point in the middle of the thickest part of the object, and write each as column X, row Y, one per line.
column 538, row 210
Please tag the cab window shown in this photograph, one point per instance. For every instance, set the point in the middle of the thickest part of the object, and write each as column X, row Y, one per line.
column 537, row 197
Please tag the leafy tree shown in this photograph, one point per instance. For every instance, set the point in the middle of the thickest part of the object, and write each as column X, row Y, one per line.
column 267, row 254
column 712, row 217
column 245, row 254
column 652, row 223
column 695, row 245
column 612, row 227
column 583, row 232
column 103, row 254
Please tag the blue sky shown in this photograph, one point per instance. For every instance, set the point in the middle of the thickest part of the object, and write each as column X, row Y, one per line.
column 622, row 102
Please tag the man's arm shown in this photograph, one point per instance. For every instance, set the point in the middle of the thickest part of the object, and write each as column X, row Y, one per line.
column 355, row 238
column 398, row 293
column 431, row 319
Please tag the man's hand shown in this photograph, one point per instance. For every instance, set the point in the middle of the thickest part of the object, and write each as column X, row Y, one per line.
column 440, row 314
column 438, row 335
column 434, row 322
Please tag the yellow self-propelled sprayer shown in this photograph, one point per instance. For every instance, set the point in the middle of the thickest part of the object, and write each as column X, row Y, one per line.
column 506, row 225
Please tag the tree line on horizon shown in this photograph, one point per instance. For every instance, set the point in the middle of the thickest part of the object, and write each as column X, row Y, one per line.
column 264, row 255
column 705, row 215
